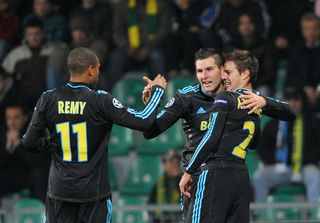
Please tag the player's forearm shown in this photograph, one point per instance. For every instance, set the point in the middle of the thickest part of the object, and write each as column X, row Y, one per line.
column 208, row 143
column 153, row 106
column 154, row 102
column 152, row 132
column 278, row 109
column 144, row 119
column 164, row 120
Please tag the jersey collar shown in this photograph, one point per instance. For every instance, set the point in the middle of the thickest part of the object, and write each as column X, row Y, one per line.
column 79, row 85
column 240, row 90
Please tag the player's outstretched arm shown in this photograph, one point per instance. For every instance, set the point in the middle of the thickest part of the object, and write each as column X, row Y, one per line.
column 138, row 120
column 172, row 112
column 146, row 93
column 158, row 81
column 278, row 109
column 270, row 107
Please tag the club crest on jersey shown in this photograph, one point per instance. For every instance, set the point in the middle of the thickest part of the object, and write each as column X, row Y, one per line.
column 169, row 103
column 117, row 103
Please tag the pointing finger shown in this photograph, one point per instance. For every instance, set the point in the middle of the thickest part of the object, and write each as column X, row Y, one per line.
column 146, row 79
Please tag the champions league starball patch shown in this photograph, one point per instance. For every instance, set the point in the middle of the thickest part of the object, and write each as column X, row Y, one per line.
column 117, row 103
column 169, row 103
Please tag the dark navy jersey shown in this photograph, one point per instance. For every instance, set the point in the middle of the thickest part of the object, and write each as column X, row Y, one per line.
column 79, row 121
column 232, row 131
column 193, row 107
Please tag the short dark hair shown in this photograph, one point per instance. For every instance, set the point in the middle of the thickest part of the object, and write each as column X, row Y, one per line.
column 171, row 155
column 204, row 53
column 35, row 23
column 16, row 105
column 244, row 60
column 80, row 22
column 80, row 59
column 248, row 15
column 309, row 16
column 295, row 92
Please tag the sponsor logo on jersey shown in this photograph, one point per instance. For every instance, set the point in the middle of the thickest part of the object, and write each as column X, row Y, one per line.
column 220, row 101
column 169, row 103
column 204, row 125
column 117, row 103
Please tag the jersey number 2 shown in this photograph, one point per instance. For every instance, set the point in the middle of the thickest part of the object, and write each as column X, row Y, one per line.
column 81, row 130
column 241, row 149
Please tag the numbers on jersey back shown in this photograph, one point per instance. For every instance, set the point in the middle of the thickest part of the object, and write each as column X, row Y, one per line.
column 241, row 149
column 80, row 129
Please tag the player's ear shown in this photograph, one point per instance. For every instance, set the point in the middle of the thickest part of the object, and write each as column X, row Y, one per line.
column 90, row 70
column 245, row 74
column 222, row 69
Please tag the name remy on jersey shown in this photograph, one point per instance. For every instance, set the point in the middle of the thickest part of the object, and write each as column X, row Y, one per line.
column 71, row 107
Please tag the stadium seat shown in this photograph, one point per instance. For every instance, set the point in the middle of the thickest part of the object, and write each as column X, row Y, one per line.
column 25, row 193
column 172, row 139
column 315, row 215
column 35, row 215
column 177, row 83
column 281, row 78
column 124, row 216
column 121, row 141
column 144, row 172
column 285, row 193
column 280, row 214
column 289, row 189
column 264, row 121
column 252, row 161
column 128, row 91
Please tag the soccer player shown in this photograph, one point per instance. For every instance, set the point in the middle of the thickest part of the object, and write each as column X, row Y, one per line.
column 79, row 120
column 223, row 189
column 193, row 103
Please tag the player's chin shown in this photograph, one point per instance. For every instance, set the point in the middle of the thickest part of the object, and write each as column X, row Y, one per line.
column 207, row 88
column 227, row 88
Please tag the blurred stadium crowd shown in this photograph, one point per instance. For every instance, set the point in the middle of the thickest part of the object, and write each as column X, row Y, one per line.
column 161, row 36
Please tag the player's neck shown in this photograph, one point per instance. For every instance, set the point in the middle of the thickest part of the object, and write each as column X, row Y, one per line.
column 79, row 79
column 221, row 88
column 217, row 90
column 247, row 86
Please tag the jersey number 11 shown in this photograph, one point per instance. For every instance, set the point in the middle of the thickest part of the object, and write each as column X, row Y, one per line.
column 81, row 130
